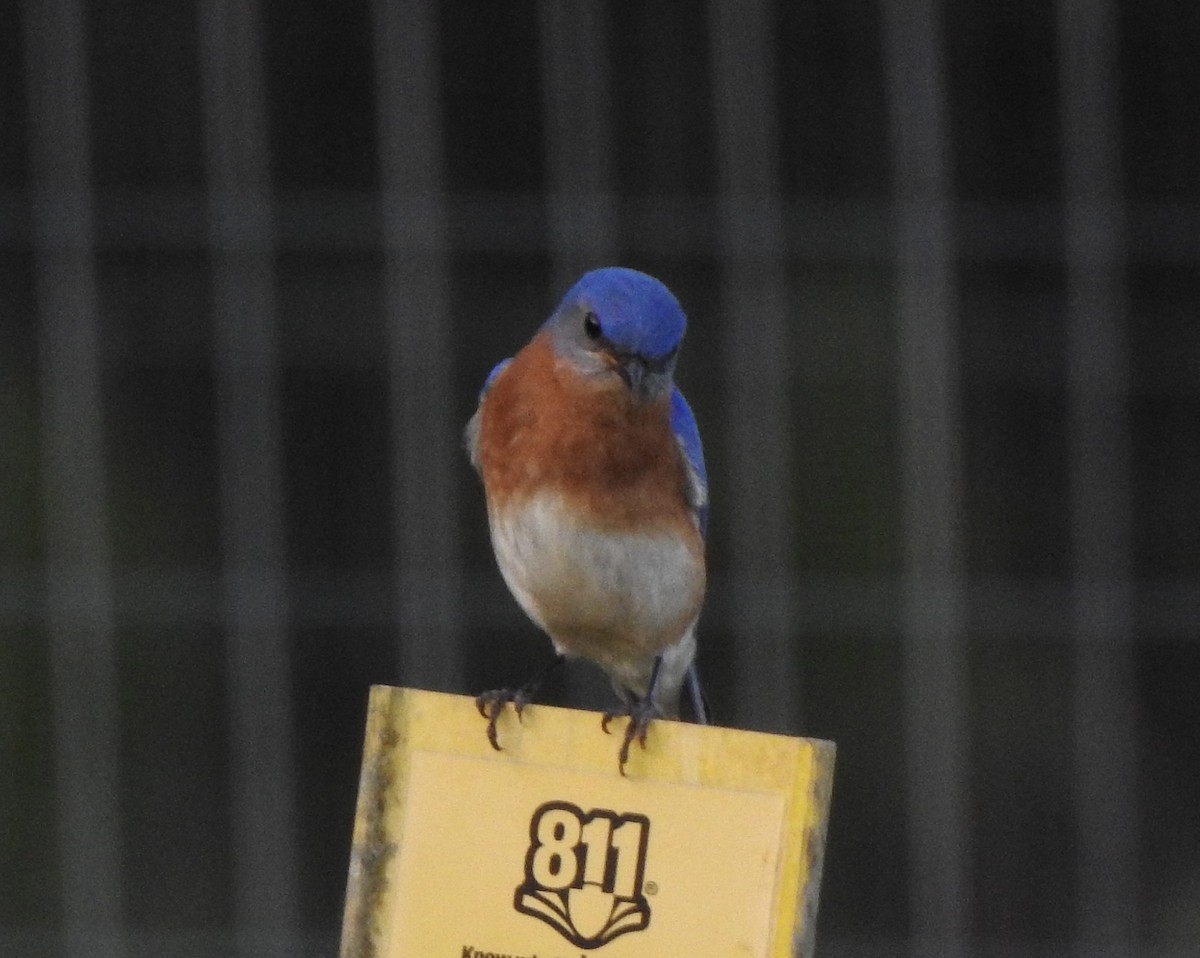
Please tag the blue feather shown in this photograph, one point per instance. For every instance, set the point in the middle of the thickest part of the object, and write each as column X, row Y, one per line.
column 638, row 313
column 687, row 434
column 496, row 371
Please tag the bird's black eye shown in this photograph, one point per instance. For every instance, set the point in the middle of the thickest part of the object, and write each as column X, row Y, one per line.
column 591, row 326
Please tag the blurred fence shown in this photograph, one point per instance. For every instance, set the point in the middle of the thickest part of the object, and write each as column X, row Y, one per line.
column 941, row 264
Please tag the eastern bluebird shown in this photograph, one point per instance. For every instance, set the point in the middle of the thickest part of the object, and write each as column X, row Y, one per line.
column 597, row 497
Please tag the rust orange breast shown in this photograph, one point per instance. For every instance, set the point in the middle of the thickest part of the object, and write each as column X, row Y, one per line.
column 545, row 427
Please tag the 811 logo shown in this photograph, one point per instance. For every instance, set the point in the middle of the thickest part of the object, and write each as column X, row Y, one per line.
column 583, row 873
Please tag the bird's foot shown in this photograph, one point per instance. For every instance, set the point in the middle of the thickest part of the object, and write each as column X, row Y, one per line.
column 641, row 713
column 491, row 706
column 491, row 703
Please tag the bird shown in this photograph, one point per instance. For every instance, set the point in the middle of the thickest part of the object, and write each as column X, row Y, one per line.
column 597, row 496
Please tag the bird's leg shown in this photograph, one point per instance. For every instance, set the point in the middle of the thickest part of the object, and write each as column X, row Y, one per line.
column 641, row 711
column 491, row 703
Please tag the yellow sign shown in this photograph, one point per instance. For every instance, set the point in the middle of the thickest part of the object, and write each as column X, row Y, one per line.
column 712, row 844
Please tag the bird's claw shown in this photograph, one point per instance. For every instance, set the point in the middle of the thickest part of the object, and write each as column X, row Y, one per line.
column 640, row 713
column 491, row 706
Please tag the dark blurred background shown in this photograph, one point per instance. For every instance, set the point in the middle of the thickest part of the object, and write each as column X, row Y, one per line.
column 942, row 268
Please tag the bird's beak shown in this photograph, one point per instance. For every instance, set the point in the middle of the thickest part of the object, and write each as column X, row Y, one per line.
column 633, row 371
column 647, row 379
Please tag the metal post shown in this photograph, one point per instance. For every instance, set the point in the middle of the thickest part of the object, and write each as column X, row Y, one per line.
column 934, row 598
column 754, row 314
column 1105, row 736
column 249, row 427
column 78, row 570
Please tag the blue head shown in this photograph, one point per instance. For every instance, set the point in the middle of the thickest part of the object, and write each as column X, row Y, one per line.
column 617, row 321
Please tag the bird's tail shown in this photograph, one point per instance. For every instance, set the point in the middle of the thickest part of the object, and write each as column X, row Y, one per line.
column 699, row 704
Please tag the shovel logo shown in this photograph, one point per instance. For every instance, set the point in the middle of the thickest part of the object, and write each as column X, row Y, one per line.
column 583, row 873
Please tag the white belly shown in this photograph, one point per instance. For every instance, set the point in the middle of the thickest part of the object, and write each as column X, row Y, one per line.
column 619, row 599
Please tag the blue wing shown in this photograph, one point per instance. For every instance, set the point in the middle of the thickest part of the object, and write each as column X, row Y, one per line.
column 471, row 434
column 491, row 377
column 687, row 434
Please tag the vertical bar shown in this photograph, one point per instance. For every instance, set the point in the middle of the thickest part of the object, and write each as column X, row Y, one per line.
column 931, row 435
column 78, row 562
column 755, row 343
column 254, row 597
column 579, row 148
column 426, row 453
column 1097, row 362
column 579, row 143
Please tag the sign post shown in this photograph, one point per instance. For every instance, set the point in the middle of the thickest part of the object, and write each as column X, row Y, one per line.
column 712, row 844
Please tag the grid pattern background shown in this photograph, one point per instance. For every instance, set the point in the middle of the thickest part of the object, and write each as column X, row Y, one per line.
column 942, row 266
